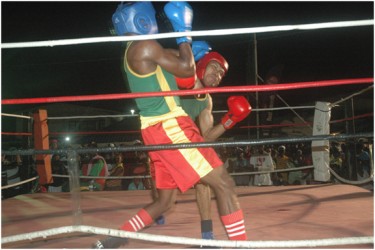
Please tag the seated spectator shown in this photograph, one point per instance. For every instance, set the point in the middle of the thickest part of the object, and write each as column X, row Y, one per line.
column 10, row 174
column 137, row 183
column 110, row 157
column 96, row 167
column 59, row 168
column 117, row 170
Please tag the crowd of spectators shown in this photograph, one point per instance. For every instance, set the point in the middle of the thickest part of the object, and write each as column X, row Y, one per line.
column 349, row 160
column 266, row 158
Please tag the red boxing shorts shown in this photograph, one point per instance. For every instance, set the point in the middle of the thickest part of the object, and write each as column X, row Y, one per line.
column 178, row 168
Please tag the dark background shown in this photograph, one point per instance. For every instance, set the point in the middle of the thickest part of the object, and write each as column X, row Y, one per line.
column 89, row 69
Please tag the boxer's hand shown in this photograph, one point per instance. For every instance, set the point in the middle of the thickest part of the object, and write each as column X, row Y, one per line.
column 239, row 109
column 180, row 14
column 200, row 48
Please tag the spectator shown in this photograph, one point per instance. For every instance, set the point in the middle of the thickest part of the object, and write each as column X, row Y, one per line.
column 242, row 165
column 117, row 170
column 137, row 183
column 59, row 168
column 282, row 163
column 298, row 159
column 267, row 99
column 335, row 161
column 96, row 167
column 262, row 161
column 10, row 174
column 110, row 157
column 363, row 158
column 344, row 158
column 307, row 174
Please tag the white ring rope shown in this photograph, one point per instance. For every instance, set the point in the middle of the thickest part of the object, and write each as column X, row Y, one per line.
column 217, row 32
column 348, row 97
column 189, row 241
column 17, row 116
column 294, row 112
column 346, row 181
column 20, row 183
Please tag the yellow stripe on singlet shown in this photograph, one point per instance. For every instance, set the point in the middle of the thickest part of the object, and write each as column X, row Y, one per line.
column 163, row 83
column 192, row 155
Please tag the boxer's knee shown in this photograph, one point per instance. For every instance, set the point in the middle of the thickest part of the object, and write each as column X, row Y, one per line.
column 220, row 180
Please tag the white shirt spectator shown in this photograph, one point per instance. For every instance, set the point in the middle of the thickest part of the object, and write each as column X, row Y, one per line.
column 262, row 162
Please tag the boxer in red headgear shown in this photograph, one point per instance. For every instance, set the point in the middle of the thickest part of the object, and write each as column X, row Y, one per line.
column 210, row 70
column 221, row 65
column 211, row 67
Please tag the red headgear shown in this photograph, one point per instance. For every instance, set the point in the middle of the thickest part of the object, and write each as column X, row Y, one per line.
column 211, row 56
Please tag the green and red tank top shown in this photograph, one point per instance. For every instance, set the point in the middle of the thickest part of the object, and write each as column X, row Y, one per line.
column 157, row 81
column 194, row 105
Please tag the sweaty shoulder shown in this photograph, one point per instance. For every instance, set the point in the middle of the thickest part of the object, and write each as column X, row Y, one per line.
column 141, row 56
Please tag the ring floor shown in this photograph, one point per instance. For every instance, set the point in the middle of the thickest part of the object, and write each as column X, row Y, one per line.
column 271, row 213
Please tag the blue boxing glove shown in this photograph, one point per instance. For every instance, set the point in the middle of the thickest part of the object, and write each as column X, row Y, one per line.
column 180, row 14
column 200, row 48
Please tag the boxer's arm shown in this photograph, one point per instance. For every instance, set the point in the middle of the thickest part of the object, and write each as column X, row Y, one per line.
column 144, row 56
column 206, row 124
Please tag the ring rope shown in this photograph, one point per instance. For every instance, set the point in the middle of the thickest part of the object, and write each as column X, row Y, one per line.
column 259, row 88
column 136, row 115
column 137, row 131
column 216, row 32
column 270, row 109
column 20, row 183
column 188, row 241
column 294, row 112
column 348, row 97
column 346, row 181
column 149, row 176
column 17, row 116
column 17, row 133
column 352, row 118
column 232, row 174
column 238, row 174
column 155, row 147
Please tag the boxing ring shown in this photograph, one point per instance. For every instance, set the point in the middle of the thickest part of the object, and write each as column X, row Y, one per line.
column 308, row 216
column 318, row 215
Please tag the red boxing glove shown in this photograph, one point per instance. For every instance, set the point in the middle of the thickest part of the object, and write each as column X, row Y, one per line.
column 239, row 109
column 186, row 83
